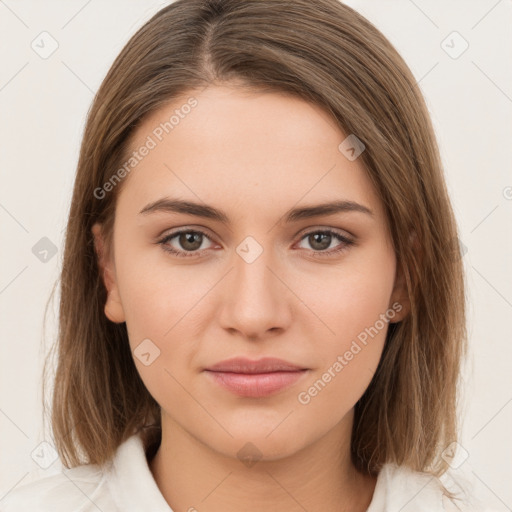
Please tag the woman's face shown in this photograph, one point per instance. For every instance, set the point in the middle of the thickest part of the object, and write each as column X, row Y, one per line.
column 260, row 276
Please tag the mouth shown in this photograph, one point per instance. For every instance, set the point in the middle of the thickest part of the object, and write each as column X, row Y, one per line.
column 255, row 379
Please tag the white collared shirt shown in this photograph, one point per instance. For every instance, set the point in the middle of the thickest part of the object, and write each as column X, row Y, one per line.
column 127, row 485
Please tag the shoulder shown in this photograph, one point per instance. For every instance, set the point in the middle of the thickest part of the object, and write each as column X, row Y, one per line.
column 123, row 483
column 400, row 488
column 82, row 488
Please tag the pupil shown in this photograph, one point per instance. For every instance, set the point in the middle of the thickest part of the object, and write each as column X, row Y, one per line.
column 187, row 241
column 325, row 244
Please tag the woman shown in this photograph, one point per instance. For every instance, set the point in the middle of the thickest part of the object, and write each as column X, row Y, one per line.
column 262, row 303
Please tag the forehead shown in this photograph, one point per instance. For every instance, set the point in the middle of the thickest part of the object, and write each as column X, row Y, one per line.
column 228, row 144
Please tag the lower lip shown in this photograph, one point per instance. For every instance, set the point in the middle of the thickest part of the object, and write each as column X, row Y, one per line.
column 258, row 384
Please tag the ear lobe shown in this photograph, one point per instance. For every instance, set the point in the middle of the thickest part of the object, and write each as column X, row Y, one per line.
column 113, row 306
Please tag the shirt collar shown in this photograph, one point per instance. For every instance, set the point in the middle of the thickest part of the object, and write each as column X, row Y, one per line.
column 400, row 488
column 131, row 482
column 134, row 489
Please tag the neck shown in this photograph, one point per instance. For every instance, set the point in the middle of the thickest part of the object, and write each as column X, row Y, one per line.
column 320, row 476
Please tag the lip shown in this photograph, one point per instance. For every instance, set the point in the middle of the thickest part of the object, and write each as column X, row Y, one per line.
column 263, row 365
column 260, row 378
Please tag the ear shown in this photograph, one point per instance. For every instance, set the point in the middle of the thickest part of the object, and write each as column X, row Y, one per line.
column 113, row 306
column 399, row 295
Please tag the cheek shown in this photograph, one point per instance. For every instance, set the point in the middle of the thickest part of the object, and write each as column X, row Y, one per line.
column 349, row 357
column 165, row 309
column 155, row 293
column 351, row 297
column 354, row 306
column 359, row 305
column 160, row 307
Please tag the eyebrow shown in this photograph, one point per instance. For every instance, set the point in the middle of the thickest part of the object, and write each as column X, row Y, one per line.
column 209, row 212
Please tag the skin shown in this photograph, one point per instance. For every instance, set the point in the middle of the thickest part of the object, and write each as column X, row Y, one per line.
column 255, row 156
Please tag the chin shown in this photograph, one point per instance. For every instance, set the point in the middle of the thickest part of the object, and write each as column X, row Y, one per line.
column 253, row 443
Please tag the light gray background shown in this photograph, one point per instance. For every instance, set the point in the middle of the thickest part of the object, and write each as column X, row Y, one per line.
column 43, row 103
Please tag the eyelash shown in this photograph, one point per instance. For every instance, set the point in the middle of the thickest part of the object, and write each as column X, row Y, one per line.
column 346, row 243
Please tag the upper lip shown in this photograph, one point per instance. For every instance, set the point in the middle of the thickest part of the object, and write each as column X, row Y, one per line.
column 264, row 365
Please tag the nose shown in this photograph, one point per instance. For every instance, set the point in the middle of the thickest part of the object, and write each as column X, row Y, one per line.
column 255, row 299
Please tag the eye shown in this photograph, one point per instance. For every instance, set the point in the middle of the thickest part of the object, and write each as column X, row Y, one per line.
column 190, row 240
column 321, row 240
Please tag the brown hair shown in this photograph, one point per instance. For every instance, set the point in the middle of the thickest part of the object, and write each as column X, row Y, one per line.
column 326, row 53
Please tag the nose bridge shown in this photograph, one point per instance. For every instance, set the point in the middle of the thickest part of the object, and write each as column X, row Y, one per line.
column 255, row 300
column 252, row 277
